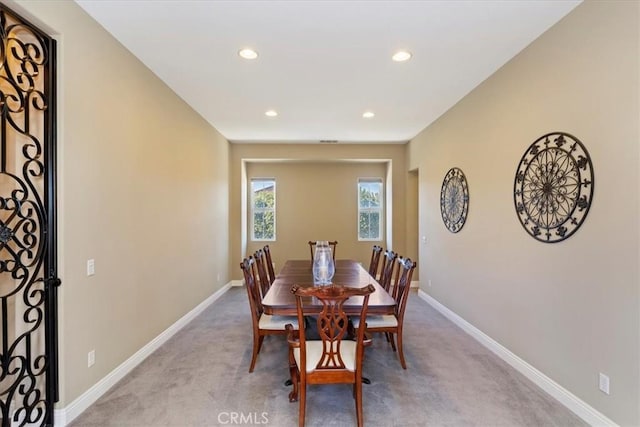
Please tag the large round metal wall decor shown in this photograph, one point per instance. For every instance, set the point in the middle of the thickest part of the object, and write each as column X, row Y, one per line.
column 553, row 187
column 454, row 200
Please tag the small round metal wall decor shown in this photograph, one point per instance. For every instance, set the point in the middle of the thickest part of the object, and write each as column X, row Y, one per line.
column 454, row 200
column 553, row 188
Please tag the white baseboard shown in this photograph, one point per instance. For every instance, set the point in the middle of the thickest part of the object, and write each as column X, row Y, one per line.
column 415, row 284
column 67, row 414
column 564, row 396
column 237, row 283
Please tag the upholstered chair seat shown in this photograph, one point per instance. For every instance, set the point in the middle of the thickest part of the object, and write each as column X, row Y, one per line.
column 314, row 354
column 384, row 321
column 272, row 322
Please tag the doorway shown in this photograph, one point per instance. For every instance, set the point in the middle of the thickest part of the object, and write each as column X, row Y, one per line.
column 413, row 214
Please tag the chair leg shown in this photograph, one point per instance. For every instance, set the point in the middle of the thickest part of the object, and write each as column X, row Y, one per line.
column 400, row 352
column 295, row 378
column 358, row 392
column 293, row 396
column 260, row 342
column 391, row 340
column 303, row 404
column 257, row 341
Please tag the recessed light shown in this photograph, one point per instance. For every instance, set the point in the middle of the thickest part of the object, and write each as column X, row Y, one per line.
column 401, row 56
column 271, row 113
column 247, row 53
column 368, row 114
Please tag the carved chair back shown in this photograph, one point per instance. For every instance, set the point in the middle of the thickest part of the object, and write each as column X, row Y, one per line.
column 250, row 280
column 374, row 264
column 402, row 286
column 269, row 261
column 263, row 278
column 388, row 268
column 332, row 245
column 332, row 323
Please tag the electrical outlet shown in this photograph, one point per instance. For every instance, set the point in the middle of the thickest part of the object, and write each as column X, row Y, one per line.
column 429, row 282
column 91, row 358
column 218, row 278
column 91, row 267
column 604, row 383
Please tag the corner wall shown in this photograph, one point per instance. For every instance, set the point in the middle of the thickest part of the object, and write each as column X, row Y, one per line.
column 143, row 190
column 570, row 309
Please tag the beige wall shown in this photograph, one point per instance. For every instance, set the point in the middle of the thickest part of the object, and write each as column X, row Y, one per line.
column 143, row 189
column 298, row 169
column 570, row 309
column 316, row 201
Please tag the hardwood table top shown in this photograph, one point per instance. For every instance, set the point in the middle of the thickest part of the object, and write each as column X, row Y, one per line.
column 279, row 299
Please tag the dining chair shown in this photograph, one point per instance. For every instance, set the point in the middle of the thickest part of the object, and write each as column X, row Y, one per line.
column 263, row 324
column 374, row 264
column 392, row 324
column 267, row 254
column 332, row 245
column 335, row 358
column 388, row 269
column 262, row 277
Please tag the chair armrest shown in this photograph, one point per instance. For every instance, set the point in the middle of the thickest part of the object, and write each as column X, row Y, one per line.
column 293, row 336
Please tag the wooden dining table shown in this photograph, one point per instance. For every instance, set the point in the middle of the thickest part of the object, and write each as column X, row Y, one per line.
column 280, row 301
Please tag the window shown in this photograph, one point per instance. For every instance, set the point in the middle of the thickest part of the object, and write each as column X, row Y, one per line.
column 263, row 209
column 370, row 209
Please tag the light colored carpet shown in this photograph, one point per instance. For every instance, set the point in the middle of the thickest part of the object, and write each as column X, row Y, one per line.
column 200, row 378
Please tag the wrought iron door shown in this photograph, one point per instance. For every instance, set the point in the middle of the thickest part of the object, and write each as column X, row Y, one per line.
column 28, row 273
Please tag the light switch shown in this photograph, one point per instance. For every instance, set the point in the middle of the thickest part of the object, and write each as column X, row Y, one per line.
column 603, row 383
column 91, row 267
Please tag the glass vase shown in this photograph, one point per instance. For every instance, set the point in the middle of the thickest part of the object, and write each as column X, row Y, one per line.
column 323, row 265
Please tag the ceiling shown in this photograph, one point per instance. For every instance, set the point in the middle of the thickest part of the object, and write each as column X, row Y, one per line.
column 322, row 64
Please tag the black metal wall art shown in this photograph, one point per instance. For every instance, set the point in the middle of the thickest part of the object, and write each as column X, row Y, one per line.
column 553, row 187
column 454, row 200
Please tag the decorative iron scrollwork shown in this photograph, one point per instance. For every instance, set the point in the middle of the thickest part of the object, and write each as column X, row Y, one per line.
column 553, row 187
column 5, row 234
column 454, row 200
column 27, row 362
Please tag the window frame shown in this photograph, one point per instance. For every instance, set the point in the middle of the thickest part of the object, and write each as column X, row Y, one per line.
column 379, row 209
column 253, row 210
